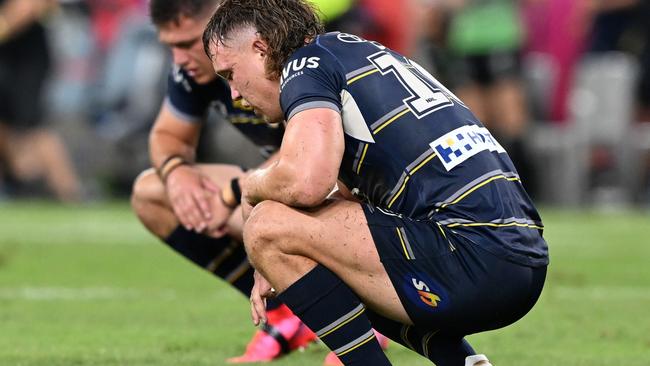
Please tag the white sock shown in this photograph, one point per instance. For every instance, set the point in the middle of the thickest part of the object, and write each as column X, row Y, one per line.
column 472, row 360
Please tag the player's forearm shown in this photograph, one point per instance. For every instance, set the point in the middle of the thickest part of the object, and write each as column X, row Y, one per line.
column 163, row 146
column 172, row 137
column 307, row 166
column 288, row 184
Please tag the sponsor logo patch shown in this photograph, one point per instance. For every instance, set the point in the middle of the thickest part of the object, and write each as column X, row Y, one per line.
column 295, row 68
column 462, row 143
column 424, row 293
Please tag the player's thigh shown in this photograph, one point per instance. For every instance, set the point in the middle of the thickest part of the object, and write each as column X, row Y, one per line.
column 412, row 254
column 335, row 233
column 221, row 174
column 337, row 236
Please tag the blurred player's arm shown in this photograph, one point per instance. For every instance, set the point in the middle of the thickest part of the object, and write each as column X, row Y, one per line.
column 172, row 136
column 172, row 150
column 307, row 166
column 18, row 14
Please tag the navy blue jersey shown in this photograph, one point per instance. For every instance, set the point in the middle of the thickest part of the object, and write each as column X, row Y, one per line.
column 191, row 102
column 411, row 147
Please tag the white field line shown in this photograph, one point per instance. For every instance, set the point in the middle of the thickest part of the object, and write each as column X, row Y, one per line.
column 36, row 293
column 76, row 294
column 601, row 293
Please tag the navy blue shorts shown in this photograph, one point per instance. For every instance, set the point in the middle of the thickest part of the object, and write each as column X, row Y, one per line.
column 448, row 283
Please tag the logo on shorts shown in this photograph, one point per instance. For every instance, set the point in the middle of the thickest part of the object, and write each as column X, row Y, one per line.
column 424, row 293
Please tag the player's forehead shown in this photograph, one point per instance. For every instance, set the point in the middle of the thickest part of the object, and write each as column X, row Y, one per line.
column 183, row 29
column 231, row 49
column 222, row 54
column 239, row 38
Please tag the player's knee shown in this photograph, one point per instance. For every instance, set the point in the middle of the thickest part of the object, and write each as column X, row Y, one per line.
column 263, row 228
column 143, row 190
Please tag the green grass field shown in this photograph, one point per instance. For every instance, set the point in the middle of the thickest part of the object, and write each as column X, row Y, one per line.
column 88, row 286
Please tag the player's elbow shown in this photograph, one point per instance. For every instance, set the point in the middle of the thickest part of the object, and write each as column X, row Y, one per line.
column 310, row 191
column 306, row 198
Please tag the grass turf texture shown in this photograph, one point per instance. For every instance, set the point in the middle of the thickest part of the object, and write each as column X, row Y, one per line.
column 88, row 286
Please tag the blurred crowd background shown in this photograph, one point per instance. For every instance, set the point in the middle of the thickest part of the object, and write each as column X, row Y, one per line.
column 563, row 84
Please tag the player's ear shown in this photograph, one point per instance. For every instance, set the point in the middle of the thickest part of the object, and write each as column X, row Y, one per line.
column 259, row 46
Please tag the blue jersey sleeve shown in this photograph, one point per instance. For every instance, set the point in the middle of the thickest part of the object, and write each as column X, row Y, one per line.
column 312, row 78
column 190, row 101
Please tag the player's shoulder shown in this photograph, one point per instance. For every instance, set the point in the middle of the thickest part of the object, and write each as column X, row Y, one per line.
column 181, row 84
column 178, row 78
column 332, row 48
column 338, row 42
column 309, row 55
column 333, row 53
column 334, row 45
column 191, row 100
column 349, row 51
column 311, row 59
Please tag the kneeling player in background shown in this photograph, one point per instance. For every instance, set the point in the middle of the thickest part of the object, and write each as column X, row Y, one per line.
column 192, row 207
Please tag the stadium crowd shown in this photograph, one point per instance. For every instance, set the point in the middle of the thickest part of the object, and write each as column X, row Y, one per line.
column 532, row 71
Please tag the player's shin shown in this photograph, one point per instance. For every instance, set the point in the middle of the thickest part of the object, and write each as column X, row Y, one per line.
column 328, row 306
column 224, row 257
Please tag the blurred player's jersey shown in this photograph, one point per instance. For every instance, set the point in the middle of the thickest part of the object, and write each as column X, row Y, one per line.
column 191, row 102
column 412, row 148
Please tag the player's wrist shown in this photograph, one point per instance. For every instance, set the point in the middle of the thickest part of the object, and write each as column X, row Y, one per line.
column 235, row 187
column 169, row 165
column 231, row 194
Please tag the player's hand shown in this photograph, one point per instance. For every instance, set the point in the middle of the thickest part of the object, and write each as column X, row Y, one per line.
column 221, row 214
column 191, row 195
column 261, row 291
